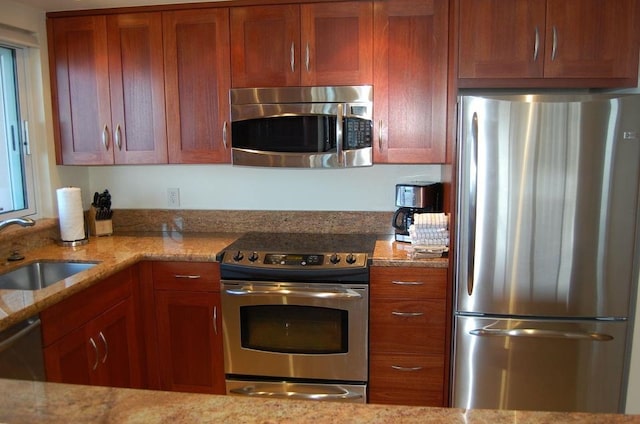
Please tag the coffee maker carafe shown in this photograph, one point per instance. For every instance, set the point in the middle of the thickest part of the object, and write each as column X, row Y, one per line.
column 413, row 198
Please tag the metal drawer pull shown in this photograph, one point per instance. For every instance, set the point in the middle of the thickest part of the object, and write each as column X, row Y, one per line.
column 399, row 368
column 544, row 334
column 407, row 314
column 118, row 136
column 536, row 45
column 215, row 320
column 306, row 60
column 224, row 135
column 292, row 60
column 106, row 347
column 554, row 48
column 380, row 134
column 185, row 276
column 95, row 350
column 408, row 283
column 105, row 137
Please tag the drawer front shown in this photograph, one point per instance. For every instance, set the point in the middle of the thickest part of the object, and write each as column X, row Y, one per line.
column 408, row 282
column 406, row 379
column 410, row 326
column 187, row 276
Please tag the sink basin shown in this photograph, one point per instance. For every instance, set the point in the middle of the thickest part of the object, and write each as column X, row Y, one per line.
column 41, row 274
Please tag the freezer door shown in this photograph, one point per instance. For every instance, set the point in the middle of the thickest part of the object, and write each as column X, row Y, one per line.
column 538, row 365
column 547, row 205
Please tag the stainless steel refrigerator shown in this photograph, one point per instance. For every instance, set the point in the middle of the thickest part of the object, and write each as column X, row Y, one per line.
column 545, row 269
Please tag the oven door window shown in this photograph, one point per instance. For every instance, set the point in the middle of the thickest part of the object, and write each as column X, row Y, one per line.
column 287, row 134
column 294, row 329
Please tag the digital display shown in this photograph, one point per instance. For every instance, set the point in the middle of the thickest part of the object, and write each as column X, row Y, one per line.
column 296, row 259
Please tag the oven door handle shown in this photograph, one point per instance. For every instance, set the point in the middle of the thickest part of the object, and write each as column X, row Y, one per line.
column 324, row 294
column 253, row 391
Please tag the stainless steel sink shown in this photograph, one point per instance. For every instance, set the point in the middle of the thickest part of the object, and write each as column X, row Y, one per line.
column 41, row 274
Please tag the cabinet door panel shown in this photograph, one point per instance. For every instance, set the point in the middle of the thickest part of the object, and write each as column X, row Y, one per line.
column 80, row 84
column 190, row 341
column 592, row 39
column 136, row 72
column 265, row 46
column 498, row 39
column 410, row 79
column 407, row 379
column 336, row 44
column 71, row 359
column 197, row 81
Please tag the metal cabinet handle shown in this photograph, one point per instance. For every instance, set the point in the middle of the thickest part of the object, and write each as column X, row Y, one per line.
column 407, row 283
column 380, row 134
column 292, row 58
column 106, row 347
column 215, row 320
column 554, row 48
column 399, row 368
column 224, row 134
column 187, row 277
column 306, row 59
column 118, row 137
column 95, row 351
column 105, row 137
column 407, row 314
column 536, row 45
column 541, row 334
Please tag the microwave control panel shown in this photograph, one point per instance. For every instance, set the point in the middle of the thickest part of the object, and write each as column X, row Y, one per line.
column 358, row 133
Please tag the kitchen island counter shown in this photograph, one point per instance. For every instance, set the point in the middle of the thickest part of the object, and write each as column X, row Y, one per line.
column 25, row 401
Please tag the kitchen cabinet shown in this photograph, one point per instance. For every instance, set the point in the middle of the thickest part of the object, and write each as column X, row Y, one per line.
column 189, row 326
column 107, row 83
column 311, row 44
column 410, row 81
column 197, row 82
column 92, row 337
column 407, row 344
column 548, row 43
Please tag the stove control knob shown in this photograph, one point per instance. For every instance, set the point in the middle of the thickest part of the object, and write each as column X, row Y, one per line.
column 253, row 257
column 334, row 259
column 238, row 256
column 351, row 259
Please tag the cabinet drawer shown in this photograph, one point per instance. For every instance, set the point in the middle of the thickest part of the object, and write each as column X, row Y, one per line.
column 411, row 326
column 188, row 276
column 408, row 282
column 406, row 379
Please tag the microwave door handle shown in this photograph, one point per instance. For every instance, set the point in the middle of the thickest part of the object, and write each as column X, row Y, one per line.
column 339, row 135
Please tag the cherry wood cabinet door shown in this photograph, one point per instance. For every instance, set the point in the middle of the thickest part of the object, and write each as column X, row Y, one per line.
column 80, row 89
column 592, row 39
column 197, row 82
column 265, row 46
column 410, row 80
column 501, row 39
column 70, row 359
column 190, row 341
column 336, row 43
column 136, row 75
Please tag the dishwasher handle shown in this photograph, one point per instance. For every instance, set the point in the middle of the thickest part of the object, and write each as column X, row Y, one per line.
column 14, row 338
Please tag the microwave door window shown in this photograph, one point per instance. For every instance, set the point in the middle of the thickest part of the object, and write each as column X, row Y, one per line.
column 287, row 134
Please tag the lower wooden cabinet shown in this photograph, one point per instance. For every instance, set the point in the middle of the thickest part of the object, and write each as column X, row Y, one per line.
column 92, row 337
column 189, row 326
column 407, row 340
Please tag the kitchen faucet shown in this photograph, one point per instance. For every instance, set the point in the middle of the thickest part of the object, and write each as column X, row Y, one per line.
column 24, row 222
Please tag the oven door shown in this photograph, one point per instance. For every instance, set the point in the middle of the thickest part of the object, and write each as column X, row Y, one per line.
column 295, row 330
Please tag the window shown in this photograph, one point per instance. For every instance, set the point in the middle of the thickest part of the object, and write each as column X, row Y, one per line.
column 17, row 197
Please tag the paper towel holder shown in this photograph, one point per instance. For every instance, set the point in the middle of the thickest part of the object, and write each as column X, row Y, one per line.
column 76, row 243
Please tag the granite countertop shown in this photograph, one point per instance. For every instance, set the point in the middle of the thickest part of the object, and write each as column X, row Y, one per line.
column 118, row 252
column 25, row 401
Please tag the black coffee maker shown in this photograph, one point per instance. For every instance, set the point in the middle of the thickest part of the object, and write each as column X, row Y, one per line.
column 413, row 198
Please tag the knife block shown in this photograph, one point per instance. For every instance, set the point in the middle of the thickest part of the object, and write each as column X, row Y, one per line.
column 102, row 227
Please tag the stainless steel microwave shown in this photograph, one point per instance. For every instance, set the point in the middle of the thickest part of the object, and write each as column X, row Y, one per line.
column 302, row 127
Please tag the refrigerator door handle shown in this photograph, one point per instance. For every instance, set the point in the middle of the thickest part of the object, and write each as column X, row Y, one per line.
column 473, row 177
column 541, row 334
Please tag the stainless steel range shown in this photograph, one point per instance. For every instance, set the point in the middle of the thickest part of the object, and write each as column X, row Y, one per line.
column 295, row 313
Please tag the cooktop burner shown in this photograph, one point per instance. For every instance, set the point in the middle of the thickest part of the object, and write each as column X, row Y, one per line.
column 295, row 256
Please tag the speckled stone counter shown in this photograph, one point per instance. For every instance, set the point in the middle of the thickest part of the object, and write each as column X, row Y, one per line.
column 24, row 402
column 392, row 253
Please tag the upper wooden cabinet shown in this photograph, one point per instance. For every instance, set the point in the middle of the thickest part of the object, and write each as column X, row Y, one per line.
column 545, row 43
column 308, row 44
column 197, row 82
column 410, row 80
column 107, row 83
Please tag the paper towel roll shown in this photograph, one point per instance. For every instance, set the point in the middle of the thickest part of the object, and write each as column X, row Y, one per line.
column 70, row 214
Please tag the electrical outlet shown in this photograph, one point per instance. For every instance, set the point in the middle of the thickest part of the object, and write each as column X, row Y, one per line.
column 173, row 197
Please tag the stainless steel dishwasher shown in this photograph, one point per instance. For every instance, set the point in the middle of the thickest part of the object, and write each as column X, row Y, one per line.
column 21, row 354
